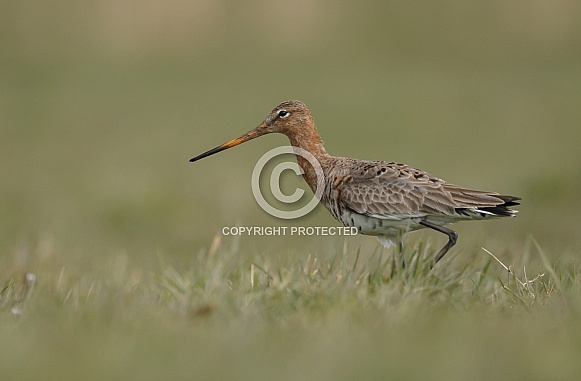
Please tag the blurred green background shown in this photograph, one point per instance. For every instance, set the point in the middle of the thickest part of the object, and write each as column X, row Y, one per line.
column 102, row 103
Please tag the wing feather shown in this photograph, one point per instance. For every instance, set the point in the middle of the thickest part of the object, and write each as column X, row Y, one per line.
column 386, row 190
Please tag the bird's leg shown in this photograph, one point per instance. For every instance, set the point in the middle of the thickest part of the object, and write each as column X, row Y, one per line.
column 400, row 247
column 452, row 237
column 398, row 242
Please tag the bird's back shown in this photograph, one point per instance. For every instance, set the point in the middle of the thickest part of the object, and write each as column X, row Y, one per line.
column 376, row 193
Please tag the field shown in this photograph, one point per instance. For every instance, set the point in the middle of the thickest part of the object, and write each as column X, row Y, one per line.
column 113, row 263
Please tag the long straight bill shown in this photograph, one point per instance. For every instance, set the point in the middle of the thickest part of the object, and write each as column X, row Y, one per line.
column 258, row 131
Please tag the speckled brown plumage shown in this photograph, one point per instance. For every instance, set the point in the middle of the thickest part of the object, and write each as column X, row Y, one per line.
column 384, row 199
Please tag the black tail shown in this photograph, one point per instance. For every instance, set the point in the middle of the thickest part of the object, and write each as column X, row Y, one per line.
column 503, row 210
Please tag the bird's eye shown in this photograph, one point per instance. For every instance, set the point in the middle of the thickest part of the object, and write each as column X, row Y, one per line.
column 283, row 113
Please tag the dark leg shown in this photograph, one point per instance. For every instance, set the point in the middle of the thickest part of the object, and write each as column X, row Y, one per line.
column 452, row 237
column 400, row 247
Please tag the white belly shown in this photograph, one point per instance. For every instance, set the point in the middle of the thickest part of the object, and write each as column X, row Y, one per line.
column 387, row 227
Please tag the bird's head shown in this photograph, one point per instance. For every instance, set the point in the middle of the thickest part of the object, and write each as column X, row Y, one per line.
column 291, row 118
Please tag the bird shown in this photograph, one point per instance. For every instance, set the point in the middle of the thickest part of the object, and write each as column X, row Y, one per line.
column 379, row 198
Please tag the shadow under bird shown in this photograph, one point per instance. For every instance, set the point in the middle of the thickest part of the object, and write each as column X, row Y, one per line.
column 383, row 199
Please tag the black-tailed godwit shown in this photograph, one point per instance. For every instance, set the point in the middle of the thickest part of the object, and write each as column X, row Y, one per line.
column 383, row 199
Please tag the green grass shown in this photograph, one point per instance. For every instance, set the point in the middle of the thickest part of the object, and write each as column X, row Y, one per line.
column 102, row 104
column 228, row 313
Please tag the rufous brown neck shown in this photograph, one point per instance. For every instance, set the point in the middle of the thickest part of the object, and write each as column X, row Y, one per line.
column 309, row 139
